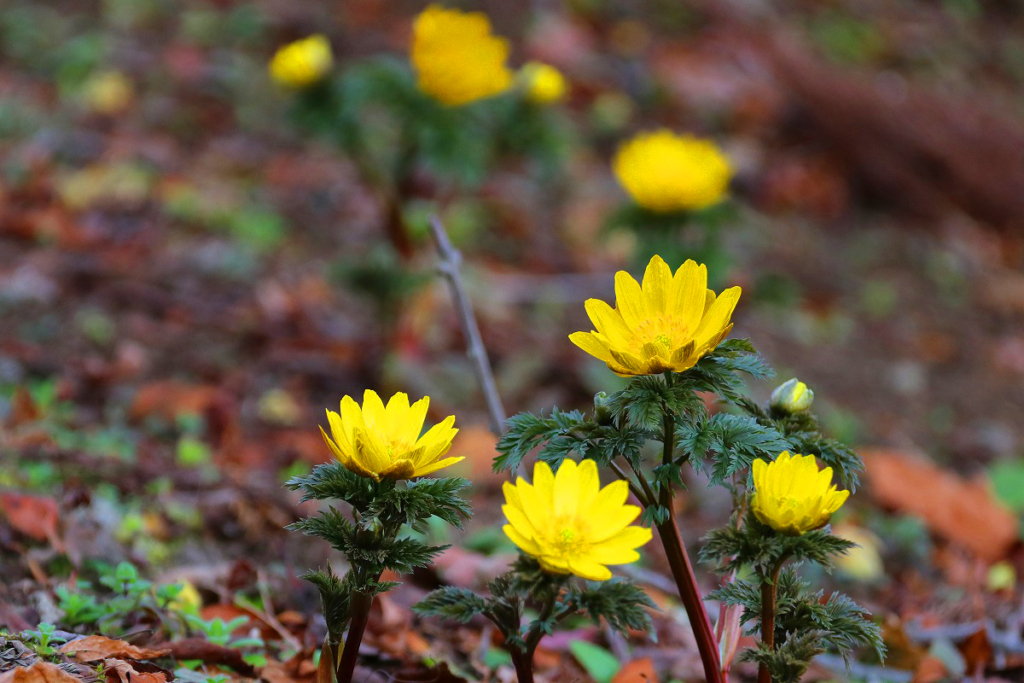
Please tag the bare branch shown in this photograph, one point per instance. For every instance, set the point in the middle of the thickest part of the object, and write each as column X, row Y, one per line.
column 451, row 259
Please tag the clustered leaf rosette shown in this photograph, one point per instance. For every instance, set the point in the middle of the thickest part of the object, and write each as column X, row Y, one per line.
column 792, row 496
column 571, row 525
column 666, row 324
column 456, row 58
column 665, row 173
column 384, row 442
column 302, row 63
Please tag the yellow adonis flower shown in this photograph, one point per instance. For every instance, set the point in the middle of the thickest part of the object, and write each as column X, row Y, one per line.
column 570, row 524
column 384, row 442
column 543, row 83
column 792, row 496
column 456, row 58
column 667, row 324
column 665, row 172
column 302, row 63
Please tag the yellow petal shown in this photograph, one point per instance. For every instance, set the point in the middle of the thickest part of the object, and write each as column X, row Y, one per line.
column 435, row 466
column 657, row 285
column 608, row 322
column 629, row 299
column 590, row 343
column 718, row 315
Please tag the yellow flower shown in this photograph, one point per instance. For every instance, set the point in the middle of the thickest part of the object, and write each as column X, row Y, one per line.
column 456, row 58
column 665, row 172
column 570, row 524
column 302, row 63
column 544, row 83
column 792, row 496
column 385, row 443
column 669, row 323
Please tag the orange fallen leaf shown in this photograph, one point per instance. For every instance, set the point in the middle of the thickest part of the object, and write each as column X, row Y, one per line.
column 34, row 516
column 120, row 671
column 95, row 648
column 964, row 512
column 40, row 672
column 169, row 399
column 637, row 671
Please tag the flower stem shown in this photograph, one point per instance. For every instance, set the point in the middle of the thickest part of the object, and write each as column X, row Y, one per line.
column 524, row 665
column 682, row 568
column 360, row 606
column 682, row 572
column 768, row 595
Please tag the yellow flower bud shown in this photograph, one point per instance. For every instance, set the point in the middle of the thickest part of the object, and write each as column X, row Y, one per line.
column 543, row 83
column 792, row 396
column 792, row 496
column 302, row 63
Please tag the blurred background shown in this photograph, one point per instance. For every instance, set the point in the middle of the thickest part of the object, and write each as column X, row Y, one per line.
column 193, row 266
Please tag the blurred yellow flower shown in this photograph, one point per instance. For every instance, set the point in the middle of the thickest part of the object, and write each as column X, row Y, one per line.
column 792, row 496
column 544, row 84
column 667, row 324
column 570, row 524
column 665, row 172
column 864, row 561
column 302, row 63
column 456, row 58
column 108, row 92
column 384, row 442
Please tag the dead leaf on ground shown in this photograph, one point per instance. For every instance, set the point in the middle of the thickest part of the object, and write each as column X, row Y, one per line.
column 637, row 671
column 964, row 512
column 169, row 399
column 977, row 652
column 34, row 516
column 40, row 672
column 95, row 648
column 120, row 671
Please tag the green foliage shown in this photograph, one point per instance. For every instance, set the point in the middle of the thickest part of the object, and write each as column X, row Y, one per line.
column 599, row 663
column 806, row 623
column 369, row 539
column 555, row 597
column 756, row 545
column 733, row 441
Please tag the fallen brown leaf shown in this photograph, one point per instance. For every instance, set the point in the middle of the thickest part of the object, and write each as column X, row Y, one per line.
column 34, row 516
column 40, row 672
column 95, row 648
column 637, row 671
column 120, row 671
column 961, row 511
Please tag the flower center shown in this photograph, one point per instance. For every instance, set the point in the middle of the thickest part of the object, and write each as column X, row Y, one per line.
column 570, row 539
column 665, row 331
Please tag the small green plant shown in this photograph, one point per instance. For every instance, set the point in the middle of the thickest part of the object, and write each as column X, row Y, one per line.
column 43, row 638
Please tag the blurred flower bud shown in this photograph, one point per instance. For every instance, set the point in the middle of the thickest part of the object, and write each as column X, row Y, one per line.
column 543, row 83
column 302, row 63
column 864, row 561
column 602, row 412
column 792, row 397
column 108, row 92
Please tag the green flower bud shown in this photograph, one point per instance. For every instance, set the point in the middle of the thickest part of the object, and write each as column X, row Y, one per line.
column 792, row 397
column 602, row 413
column 369, row 534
